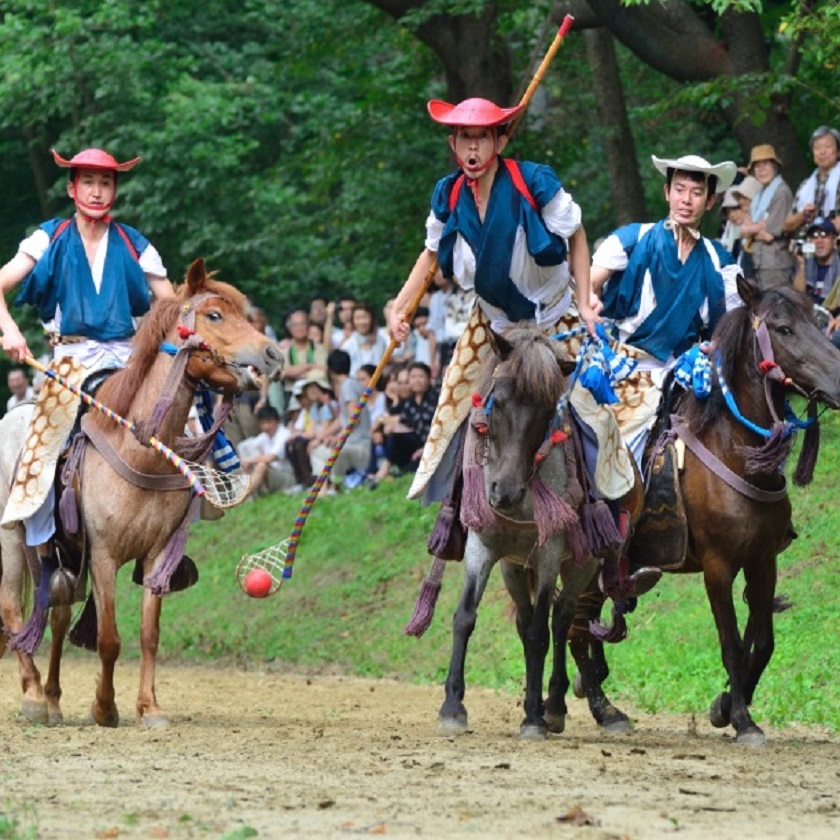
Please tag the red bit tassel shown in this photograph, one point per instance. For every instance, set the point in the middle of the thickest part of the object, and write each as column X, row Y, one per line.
column 184, row 332
column 765, row 366
column 477, row 400
column 558, row 436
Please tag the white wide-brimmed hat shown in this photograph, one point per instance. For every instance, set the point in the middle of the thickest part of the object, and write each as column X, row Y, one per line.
column 724, row 172
column 748, row 188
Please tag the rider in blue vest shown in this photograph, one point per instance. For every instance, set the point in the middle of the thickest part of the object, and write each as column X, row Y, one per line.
column 89, row 276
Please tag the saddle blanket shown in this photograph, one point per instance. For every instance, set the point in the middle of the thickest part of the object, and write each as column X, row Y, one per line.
column 51, row 424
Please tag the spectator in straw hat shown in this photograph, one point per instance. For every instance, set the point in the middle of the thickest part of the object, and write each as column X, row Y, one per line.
column 768, row 210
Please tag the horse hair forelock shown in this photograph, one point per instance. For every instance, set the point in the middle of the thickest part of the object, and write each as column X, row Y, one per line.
column 119, row 391
column 533, row 366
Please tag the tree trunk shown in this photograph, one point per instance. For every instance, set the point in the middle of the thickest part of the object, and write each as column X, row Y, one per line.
column 627, row 191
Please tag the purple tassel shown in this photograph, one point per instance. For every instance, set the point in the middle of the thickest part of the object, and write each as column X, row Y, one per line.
column 599, row 525
column 810, row 451
column 769, row 457
column 69, row 511
column 578, row 543
column 447, row 538
column 424, row 609
column 158, row 580
column 781, row 603
column 85, row 632
column 551, row 512
column 476, row 513
column 32, row 634
column 615, row 633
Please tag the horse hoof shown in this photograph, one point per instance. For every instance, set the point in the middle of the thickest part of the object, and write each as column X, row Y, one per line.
column 555, row 723
column 35, row 711
column 452, row 725
column 533, row 732
column 154, row 721
column 55, row 719
column 577, row 687
column 752, row 737
column 720, row 710
column 619, row 725
column 100, row 717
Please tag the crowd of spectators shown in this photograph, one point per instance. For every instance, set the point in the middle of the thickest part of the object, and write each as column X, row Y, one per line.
column 784, row 238
column 285, row 434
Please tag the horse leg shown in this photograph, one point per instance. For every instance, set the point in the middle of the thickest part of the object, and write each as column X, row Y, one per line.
column 103, row 575
column 760, row 591
column 452, row 717
column 59, row 623
column 558, row 683
column 532, row 624
column 149, row 713
column 719, row 580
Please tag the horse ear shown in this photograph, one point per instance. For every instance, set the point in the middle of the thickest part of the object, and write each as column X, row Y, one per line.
column 749, row 290
column 196, row 276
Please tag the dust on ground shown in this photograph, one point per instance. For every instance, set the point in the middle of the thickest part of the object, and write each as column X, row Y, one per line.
column 252, row 753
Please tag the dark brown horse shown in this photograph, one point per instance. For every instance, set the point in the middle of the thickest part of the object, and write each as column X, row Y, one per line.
column 739, row 517
column 520, row 501
column 123, row 521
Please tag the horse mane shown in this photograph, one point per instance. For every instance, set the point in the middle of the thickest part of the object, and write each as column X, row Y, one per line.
column 119, row 391
column 730, row 340
column 533, row 365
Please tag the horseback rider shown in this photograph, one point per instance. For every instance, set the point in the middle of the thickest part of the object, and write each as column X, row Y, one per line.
column 665, row 286
column 90, row 277
column 509, row 231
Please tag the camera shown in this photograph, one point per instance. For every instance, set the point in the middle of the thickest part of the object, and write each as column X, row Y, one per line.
column 804, row 247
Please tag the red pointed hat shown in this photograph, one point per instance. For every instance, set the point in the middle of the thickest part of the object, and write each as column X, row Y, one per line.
column 478, row 113
column 94, row 159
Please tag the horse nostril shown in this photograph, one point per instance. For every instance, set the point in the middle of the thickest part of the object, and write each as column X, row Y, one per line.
column 273, row 353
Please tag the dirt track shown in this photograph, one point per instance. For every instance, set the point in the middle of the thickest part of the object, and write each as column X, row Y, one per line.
column 321, row 757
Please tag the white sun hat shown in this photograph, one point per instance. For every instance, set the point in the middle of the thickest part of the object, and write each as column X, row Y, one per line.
column 724, row 172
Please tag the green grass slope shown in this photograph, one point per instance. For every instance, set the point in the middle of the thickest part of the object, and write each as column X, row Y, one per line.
column 359, row 566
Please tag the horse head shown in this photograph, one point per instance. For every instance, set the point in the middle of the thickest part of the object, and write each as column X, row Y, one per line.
column 524, row 389
column 791, row 348
column 230, row 354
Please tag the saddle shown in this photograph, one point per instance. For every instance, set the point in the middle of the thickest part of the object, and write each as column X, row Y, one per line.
column 660, row 538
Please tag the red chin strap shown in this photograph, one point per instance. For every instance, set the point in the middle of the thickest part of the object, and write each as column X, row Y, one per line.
column 83, row 208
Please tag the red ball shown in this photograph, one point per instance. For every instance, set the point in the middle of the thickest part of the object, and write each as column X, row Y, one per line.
column 258, row 583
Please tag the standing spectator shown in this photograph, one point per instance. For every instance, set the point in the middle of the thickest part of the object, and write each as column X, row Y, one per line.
column 365, row 345
column 335, row 336
column 355, row 453
column 819, row 193
column 318, row 310
column 303, row 356
column 768, row 211
column 442, row 290
column 316, row 333
column 407, row 426
column 264, row 457
column 258, row 320
column 818, row 264
column 20, row 387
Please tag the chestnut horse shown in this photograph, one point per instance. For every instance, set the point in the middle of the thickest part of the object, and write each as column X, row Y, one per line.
column 520, row 500
column 739, row 517
column 122, row 521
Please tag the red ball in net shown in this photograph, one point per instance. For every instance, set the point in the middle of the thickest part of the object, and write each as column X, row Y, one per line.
column 258, row 583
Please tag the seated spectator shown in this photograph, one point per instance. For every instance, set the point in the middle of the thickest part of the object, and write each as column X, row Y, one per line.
column 365, row 345
column 316, row 334
column 423, row 338
column 303, row 356
column 407, row 426
column 264, row 457
column 19, row 385
column 355, row 454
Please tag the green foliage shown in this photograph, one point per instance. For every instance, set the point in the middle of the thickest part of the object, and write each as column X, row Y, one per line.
column 362, row 558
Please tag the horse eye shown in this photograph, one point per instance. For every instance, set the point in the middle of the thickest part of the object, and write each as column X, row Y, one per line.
column 784, row 330
column 213, row 315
